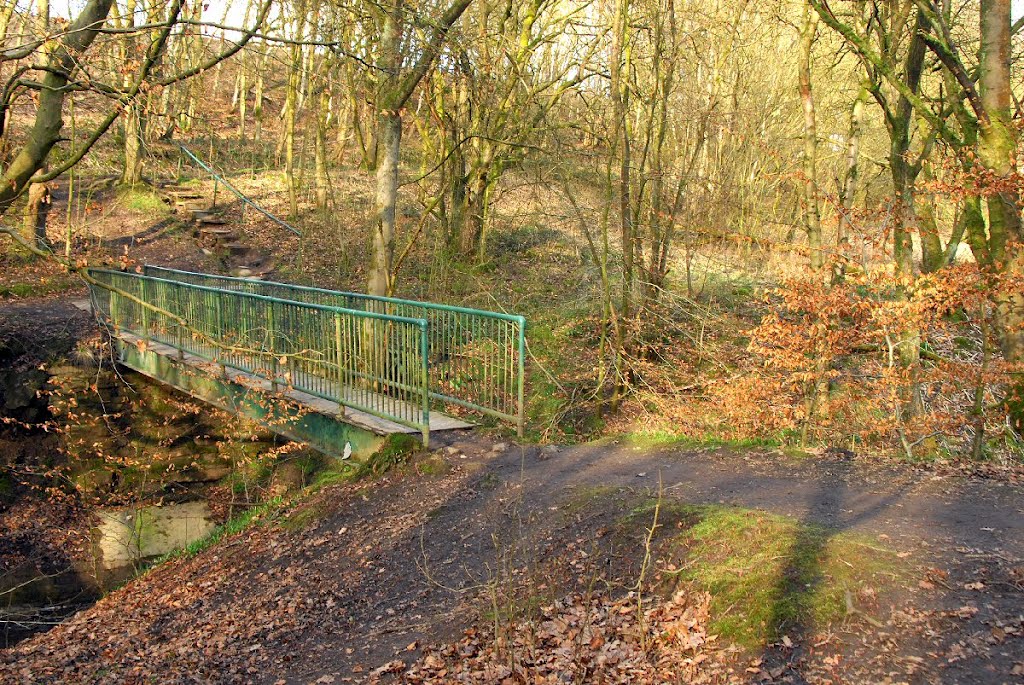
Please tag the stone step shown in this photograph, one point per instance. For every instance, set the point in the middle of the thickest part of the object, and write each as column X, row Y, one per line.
column 218, row 233
column 236, row 248
column 182, row 194
column 194, row 203
column 206, row 216
column 254, row 263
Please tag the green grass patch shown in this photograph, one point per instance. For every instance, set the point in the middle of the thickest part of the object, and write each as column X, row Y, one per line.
column 584, row 497
column 21, row 290
column 432, row 465
column 768, row 575
column 344, row 472
column 41, row 288
column 142, row 200
column 255, row 515
column 304, row 517
column 651, row 439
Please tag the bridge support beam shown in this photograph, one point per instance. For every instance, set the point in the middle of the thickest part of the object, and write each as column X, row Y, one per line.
column 323, row 432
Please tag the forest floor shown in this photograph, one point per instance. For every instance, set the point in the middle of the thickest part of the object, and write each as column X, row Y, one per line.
column 481, row 563
column 362, row 581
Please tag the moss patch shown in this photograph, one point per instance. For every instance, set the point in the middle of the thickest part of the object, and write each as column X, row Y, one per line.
column 142, row 200
column 396, row 450
column 305, row 517
column 651, row 439
column 768, row 575
column 45, row 285
column 431, row 465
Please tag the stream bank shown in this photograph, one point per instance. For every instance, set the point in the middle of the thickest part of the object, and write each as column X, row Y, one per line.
column 103, row 470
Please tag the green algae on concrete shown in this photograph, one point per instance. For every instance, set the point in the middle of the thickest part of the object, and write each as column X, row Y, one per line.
column 328, row 434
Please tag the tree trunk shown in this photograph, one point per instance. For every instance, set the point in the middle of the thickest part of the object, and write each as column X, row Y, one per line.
column 342, row 133
column 133, row 145
column 389, row 140
column 812, row 213
column 320, row 151
column 851, row 182
column 933, row 256
column 619, row 71
column 243, row 99
column 290, row 105
column 473, row 210
column 391, row 98
column 36, row 210
column 996, row 146
column 257, row 100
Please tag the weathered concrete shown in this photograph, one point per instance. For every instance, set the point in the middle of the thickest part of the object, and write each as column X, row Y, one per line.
column 127, row 536
column 327, row 433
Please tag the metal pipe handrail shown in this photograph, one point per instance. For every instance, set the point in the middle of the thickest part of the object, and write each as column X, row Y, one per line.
column 361, row 296
column 238, row 193
column 488, row 381
column 372, row 362
column 270, row 298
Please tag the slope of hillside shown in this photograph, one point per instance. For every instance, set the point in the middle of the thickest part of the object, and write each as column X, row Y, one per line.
column 369, row 580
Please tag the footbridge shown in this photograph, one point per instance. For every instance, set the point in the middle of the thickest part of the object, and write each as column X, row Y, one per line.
column 337, row 370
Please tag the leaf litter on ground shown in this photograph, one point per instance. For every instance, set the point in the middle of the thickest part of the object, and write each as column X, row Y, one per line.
column 581, row 638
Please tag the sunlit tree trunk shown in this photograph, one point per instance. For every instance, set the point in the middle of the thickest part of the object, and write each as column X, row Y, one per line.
column 812, row 212
column 850, row 182
column 392, row 94
column 320, row 151
column 36, row 210
column 133, row 145
column 290, row 113
column 619, row 71
column 997, row 143
column 134, row 142
column 243, row 98
column 6, row 12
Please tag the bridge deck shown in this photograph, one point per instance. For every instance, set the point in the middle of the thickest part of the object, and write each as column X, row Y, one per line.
column 359, row 419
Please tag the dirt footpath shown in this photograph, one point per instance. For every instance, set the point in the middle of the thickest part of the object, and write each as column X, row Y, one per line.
column 363, row 575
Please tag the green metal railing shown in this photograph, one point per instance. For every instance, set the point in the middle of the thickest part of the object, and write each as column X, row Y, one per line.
column 476, row 358
column 238, row 193
column 372, row 362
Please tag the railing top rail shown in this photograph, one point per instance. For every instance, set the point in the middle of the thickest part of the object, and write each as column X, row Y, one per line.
column 420, row 303
column 238, row 193
column 422, row 323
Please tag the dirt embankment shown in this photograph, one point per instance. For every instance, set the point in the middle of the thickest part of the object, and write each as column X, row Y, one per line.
column 365, row 576
column 87, row 452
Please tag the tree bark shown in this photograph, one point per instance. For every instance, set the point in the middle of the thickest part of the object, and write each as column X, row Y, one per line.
column 389, row 141
column 851, row 182
column 996, row 146
column 45, row 132
column 619, row 70
column 133, row 145
column 320, row 151
column 36, row 210
column 395, row 90
column 812, row 212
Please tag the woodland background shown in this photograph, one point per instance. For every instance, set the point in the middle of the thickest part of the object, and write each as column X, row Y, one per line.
column 756, row 222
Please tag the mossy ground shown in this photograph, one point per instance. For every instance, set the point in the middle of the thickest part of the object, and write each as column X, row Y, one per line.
column 769, row 575
column 653, row 439
column 142, row 199
column 40, row 286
